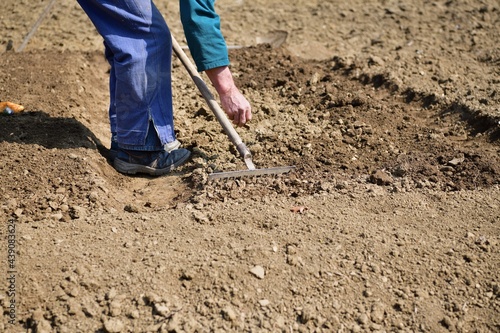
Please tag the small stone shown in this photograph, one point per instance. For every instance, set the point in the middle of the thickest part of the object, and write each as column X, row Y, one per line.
column 363, row 319
column 111, row 294
column 77, row 212
column 115, row 308
column 93, row 196
column 378, row 313
column 307, row 314
column 291, row 250
column 162, row 310
column 57, row 216
column 134, row 314
column 18, row 212
column 356, row 328
column 258, row 271
column 73, row 307
column 376, row 60
column 131, row 208
column 114, row 326
column 229, row 314
column 174, row 324
column 74, row 292
column 41, row 324
column 456, row 161
column 469, row 257
column 380, row 177
column 264, row 302
column 447, row 322
column 200, row 217
column 394, row 253
column 151, row 298
column 90, row 308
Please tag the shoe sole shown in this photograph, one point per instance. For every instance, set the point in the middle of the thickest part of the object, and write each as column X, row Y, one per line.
column 132, row 169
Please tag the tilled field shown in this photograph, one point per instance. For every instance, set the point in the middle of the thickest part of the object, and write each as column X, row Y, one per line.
column 390, row 222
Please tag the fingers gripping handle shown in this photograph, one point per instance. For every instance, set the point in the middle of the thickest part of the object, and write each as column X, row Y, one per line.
column 214, row 106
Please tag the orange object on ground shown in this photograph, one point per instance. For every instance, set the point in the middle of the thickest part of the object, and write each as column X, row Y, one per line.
column 9, row 107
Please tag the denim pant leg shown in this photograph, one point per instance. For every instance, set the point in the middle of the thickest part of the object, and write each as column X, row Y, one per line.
column 139, row 49
column 112, row 89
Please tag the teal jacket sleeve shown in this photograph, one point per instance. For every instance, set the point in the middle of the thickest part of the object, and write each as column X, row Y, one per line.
column 202, row 29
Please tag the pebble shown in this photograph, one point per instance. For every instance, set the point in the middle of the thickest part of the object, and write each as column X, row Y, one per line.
column 18, row 212
column 111, row 294
column 258, row 271
column 446, row 321
column 57, row 216
column 42, row 325
column 363, row 319
column 73, row 307
column 200, row 217
column 114, row 326
column 131, row 208
column 307, row 314
column 115, row 308
column 74, row 292
column 77, row 212
column 90, row 309
column 93, row 196
column 380, row 177
column 229, row 314
column 162, row 310
column 134, row 314
column 264, row 302
column 377, row 314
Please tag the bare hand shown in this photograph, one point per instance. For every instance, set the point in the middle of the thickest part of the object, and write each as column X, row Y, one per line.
column 235, row 105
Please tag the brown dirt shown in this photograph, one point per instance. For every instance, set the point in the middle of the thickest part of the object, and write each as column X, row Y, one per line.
column 389, row 110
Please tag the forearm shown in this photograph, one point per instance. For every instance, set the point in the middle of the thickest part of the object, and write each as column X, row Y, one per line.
column 222, row 79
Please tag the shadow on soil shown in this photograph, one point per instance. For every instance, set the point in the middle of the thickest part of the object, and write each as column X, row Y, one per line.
column 38, row 127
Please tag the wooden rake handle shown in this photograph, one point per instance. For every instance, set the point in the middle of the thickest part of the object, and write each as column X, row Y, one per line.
column 214, row 106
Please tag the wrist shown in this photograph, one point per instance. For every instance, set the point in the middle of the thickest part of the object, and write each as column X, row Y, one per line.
column 222, row 79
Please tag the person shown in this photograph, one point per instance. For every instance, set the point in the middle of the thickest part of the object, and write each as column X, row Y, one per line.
column 138, row 47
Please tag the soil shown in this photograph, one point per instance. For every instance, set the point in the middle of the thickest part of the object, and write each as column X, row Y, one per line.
column 390, row 222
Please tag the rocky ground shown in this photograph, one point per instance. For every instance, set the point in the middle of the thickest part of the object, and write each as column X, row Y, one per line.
column 390, row 223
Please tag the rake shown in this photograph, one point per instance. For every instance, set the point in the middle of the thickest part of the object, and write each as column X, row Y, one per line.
column 226, row 125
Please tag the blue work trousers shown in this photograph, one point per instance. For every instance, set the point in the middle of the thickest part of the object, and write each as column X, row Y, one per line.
column 138, row 47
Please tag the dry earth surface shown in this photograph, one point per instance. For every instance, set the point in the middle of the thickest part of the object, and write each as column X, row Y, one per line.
column 391, row 222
